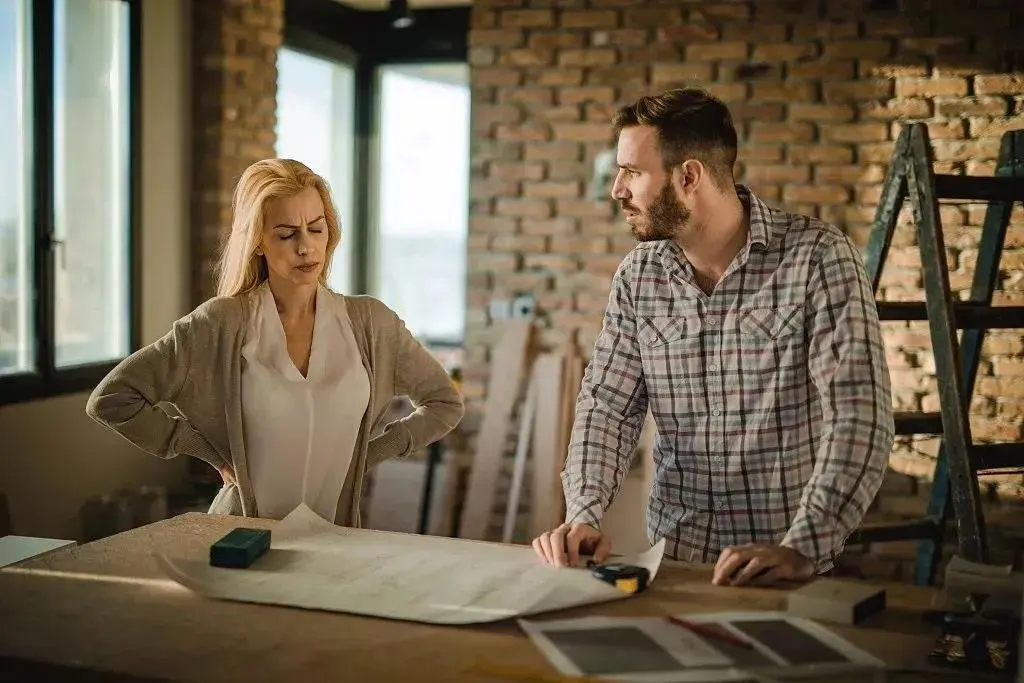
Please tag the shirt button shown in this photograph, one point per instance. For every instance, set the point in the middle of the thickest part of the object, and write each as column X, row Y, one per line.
column 713, row 367
column 712, row 321
column 716, row 412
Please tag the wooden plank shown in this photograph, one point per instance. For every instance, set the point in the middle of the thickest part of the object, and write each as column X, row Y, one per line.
column 548, row 450
column 507, row 363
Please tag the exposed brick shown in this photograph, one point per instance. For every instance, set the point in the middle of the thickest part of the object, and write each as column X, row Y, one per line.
column 521, row 243
column 933, row 46
column 827, row 70
column 589, row 19
column 820, row 154
column 689, row 33
column 857, row 90
column 492, row 224
column 931, row 87
column 583, row 209
column 729, row 92
column 481, row 56
column 679, row 73
column 526, row 132
column 582, row 95
column 555, row 76
column 581, row 132
column 816, row 194
column 524, row 208
column 763, row 153
column 857, row 49
column 587, row 57
column 999, row 84
column 497, row 37
column 500, row 76
column 903, row 108
column 565, row 188
column 531, row 98
column 558, row 263
column 720, row 11
column 820, row 112
column 785, row 91
column 528, row 18
column 825, row 30
column 489, row 189
column 897, row 26
column 567, row 170
column 941, row 130
column 901, row 66
column 777, row 173
column 752, row 33
column 620, row 37
column 530, row 56
column 984, row 127
column 790, row 10
column 620, row 76
column 709, row 52
column 971, row 106
column 757, row 111
column 781, row 132
column 489, row 115
column 957, row 150
column 579, row 244
column 555, row 226
column 854, row 174
column 553, row 151
column 556, row 39
column 784, row 51
column 657, row 17
column 516, row 171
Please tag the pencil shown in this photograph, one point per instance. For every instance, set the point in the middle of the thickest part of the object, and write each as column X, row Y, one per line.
column 710, row 632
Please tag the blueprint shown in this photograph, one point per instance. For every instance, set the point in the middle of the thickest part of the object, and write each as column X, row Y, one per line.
column 314, row 564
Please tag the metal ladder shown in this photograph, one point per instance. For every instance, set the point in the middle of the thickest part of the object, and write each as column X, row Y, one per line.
column 960, row 460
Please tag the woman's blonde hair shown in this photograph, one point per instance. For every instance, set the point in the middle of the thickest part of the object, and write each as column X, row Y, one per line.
column 241, row 269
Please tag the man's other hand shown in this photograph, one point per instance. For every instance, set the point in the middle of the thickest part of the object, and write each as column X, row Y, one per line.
column 741, row 564
column 562, row 546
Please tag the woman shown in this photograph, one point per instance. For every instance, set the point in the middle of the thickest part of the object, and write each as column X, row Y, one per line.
column 278, row 382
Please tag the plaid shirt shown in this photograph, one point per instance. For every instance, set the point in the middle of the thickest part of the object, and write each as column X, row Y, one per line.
column 771, row 396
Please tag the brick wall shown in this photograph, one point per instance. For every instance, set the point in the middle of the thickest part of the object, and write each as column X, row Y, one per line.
column 234, row 86
column 818, row 90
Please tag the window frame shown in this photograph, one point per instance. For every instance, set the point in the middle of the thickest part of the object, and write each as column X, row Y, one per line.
column 366, row 39
column 45, row 380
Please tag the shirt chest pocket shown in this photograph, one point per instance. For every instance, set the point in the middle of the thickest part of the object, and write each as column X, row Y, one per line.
column 765, row 325
column 772, row 353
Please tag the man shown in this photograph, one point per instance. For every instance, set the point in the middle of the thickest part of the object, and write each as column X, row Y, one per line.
column 752, row 336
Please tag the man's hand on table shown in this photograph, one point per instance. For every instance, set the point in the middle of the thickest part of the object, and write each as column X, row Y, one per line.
column 762, row 561
column 562, row 546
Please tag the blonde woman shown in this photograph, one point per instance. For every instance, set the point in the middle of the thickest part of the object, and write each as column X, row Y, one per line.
column 280, row 383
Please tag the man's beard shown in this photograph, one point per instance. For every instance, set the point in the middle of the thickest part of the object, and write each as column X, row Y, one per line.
column 665, row 218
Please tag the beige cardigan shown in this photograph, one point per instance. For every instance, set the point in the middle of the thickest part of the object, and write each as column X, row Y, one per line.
column 196, row 369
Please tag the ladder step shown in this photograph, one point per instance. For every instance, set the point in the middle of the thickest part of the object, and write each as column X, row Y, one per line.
column 968, row 315
column 1006, row 457
column 917, row 423
column 906, row 530
column 979, row 188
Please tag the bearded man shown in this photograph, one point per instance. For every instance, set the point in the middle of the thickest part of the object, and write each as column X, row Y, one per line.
column 752, row 336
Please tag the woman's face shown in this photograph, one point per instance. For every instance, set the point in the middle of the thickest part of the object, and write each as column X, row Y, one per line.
column 294, row 239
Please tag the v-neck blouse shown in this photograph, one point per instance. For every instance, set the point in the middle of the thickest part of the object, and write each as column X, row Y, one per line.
column 300, row 432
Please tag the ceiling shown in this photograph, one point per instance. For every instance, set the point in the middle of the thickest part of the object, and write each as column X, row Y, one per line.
column 413, row 4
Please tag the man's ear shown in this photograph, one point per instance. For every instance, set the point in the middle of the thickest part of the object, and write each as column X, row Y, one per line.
column 688, row 176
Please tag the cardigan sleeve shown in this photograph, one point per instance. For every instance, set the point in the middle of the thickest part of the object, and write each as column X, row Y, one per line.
column 127, row 399
column 438, row 406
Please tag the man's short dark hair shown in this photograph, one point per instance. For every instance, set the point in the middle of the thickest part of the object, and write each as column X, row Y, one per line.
column 691, row 124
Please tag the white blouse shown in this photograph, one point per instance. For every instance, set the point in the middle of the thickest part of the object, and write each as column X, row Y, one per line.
column 300, row 431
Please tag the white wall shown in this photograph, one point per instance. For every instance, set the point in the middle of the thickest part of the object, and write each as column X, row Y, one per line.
column 53, row 457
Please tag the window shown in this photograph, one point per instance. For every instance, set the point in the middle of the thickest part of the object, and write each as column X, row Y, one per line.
column 423, row 204
column 316, row 125
column 378, row 103
column 67, row 193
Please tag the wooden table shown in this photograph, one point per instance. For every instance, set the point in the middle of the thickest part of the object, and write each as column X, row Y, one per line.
column 105, row 607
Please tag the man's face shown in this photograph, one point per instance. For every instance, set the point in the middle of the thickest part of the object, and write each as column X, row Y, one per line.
column 644, row 188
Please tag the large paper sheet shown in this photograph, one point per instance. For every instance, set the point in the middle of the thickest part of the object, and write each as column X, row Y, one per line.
column 653, row 650
column 314, row 564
